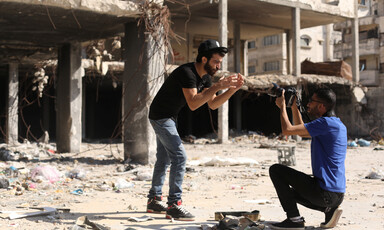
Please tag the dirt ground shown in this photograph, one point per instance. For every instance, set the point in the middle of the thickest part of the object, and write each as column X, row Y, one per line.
column 224, row 186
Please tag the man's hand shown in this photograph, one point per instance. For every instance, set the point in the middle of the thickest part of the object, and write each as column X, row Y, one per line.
column 239, row 83
column 234, row 81
column 280, row 101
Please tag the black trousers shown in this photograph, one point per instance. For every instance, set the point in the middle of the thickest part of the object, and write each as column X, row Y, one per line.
column 295, row 187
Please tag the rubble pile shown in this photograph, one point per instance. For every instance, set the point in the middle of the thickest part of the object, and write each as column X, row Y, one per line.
column 39, row 183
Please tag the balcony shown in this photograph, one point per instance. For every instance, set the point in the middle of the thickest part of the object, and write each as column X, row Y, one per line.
column 366, row 47
column 369, row 77
column 365, row 23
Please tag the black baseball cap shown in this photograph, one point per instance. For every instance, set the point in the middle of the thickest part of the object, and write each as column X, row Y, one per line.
column 211, row 45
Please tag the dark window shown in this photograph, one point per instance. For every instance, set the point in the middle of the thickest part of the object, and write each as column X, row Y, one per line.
column 271, row 66
column 251, row 45
column 363, row 65
column 271, row 40
column 251, row 69
column 304, row 41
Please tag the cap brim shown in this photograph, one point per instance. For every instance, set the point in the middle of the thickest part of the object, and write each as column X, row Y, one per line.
column 220, row 49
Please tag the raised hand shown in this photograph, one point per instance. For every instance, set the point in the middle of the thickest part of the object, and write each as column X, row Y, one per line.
column 239, row 82
column 234, row 81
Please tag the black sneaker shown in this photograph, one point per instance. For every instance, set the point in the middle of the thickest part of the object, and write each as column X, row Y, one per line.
column 331, row 218
column 177, row 212
column 289, row 224
column 155, row 205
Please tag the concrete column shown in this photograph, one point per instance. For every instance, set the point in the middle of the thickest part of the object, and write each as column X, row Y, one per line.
column 296, row 41
column 245, row 58
column 355, row 47
column 289, row 48
column 69, row 99
column 223, row 39
column 142, row 78
column 328, row 43
column 12, row 134
column 237, row 96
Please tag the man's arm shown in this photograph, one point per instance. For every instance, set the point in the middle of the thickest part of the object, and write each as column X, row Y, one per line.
column 286, row 127
column 217, row 101
column 195, row 100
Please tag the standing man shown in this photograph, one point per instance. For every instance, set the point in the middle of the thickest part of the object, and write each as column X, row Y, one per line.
column 324, row 191
column 189, row 84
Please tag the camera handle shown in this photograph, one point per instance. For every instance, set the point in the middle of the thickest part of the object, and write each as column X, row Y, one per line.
column 299, row 104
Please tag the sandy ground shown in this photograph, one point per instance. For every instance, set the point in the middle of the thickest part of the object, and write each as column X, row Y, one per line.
column 207, row 189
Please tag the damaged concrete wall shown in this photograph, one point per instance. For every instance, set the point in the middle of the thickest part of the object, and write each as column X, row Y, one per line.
column 369, row 119
column 116, row 7
column 361, row 110
column 342, row 7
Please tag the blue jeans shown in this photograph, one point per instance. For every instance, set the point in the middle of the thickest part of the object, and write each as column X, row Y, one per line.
column 170, row 152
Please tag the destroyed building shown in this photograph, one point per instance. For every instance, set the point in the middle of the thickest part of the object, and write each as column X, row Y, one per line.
column 51, row 49
column 368, row 118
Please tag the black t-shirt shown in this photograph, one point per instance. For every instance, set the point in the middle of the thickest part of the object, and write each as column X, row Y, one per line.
column 170, row 98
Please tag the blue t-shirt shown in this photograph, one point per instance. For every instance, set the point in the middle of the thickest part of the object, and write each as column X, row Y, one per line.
column 328, row 151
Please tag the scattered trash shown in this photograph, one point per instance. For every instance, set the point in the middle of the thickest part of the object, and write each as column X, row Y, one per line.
column 140, row 219
column 6, row 155
column 381, row 141
column 352, row 144
column 236, row 187
column 77, row 192
column 122, row 183
column 4, row 183
column 190, row 169
column 77, row 173
column 375, row 174
column 47, row 172
column 363, row 143
column 144, row 175
column 223, row 161
column 378, row 148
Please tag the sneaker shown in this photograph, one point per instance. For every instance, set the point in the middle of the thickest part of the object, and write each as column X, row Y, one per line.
column 177, row 212
column 289, row 224
column 155, row 205
column 331, row 218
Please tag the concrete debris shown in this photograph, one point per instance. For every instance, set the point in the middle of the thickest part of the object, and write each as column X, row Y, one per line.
column 27, row 150
column 83, row 223
column 18, row 214
column 262, row 83
column 40, row 80
column 235, row 223
column 254, row 215
column 359, row 95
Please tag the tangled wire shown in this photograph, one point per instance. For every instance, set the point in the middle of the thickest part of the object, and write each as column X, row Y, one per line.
column 155, row 20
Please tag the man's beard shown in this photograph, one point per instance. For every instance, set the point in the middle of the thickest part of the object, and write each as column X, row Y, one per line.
column 211, row 71
column 312, row 114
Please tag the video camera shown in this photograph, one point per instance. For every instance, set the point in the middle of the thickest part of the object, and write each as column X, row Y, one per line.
column 290, row 94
